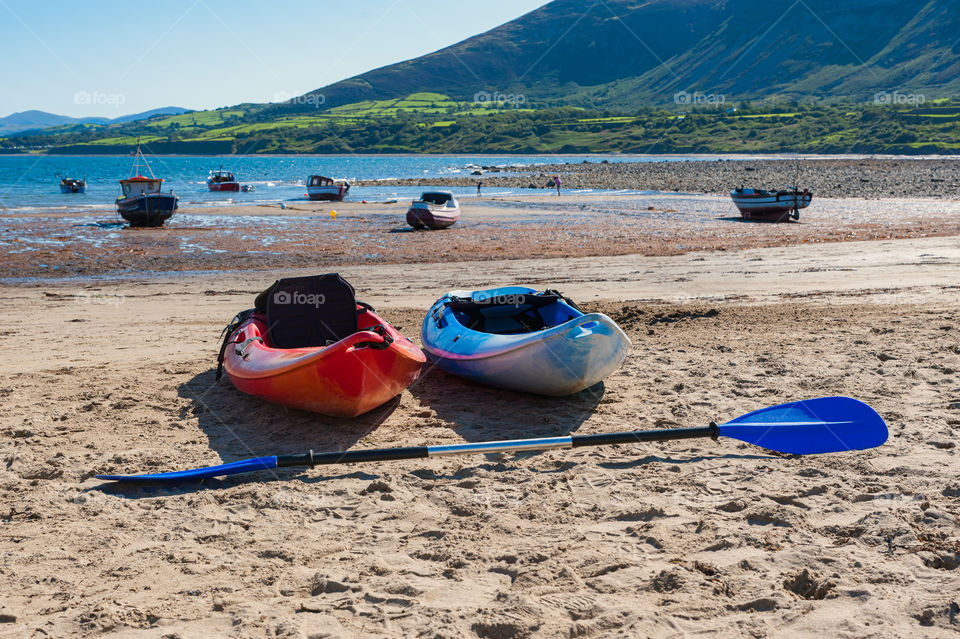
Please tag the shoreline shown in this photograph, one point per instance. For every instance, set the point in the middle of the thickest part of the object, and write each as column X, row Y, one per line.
column 772, row 155
column 266, row 237
column 913, row 271
column 835, row 178
column 599, row 155
column 844, row 177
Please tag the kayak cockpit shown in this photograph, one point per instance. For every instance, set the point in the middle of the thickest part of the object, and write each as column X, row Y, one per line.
column 514, row 315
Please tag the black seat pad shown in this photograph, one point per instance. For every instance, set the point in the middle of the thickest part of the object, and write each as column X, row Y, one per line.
column 525, row 316
column 310, row 311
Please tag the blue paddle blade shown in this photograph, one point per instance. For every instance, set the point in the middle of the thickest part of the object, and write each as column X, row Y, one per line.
column 235, row 468
column 823, row 425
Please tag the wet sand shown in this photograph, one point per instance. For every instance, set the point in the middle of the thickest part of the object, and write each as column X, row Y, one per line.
column 691, row 537
column 304, row 235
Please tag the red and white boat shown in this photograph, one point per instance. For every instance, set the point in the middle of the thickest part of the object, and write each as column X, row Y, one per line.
column 771, row 206
column 320, row 187
column 434, row 210
column 221, row 180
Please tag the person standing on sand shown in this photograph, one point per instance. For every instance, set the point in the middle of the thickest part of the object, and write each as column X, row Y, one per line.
column 479, row 184
column 556, row 182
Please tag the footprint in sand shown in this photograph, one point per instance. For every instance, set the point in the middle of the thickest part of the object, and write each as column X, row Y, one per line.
column 809, row 586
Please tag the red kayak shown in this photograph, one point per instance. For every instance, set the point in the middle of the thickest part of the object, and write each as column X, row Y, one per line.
column 310, row 345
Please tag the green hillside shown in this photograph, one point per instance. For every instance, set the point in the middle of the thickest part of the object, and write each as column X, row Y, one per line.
column 435, row 123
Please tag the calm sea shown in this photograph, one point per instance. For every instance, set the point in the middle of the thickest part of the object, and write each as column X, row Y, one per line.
column 30, row 184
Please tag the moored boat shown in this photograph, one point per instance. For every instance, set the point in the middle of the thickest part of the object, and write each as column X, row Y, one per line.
column 73, row 185
column 320, row 187
column 308, row 344
column 771, row 205
column 523, row 340
column 141, row 202
column 434, row 210
column 221, row 180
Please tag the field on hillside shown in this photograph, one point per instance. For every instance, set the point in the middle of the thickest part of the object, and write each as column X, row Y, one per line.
column 438, row 123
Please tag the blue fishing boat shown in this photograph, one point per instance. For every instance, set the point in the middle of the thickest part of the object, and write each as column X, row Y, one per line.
column 141, row 202
column 72, row 185
column 524, row 340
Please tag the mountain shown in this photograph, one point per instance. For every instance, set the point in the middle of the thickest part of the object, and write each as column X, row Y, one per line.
column 31, row 120
column 34, row 120
column 625, row 53
column 818, row 76
column 146, row 115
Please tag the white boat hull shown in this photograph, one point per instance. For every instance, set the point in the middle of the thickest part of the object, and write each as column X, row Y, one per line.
column 770, row 206
column 425, row 215
column 556, row 361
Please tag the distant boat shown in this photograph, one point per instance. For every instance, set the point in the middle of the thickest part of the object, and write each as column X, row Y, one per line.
column 248, row 188
column 769, row 205
column 221, row 180
column 434, row 210
column 73, row 185
column 320, row 187
column 142, row 203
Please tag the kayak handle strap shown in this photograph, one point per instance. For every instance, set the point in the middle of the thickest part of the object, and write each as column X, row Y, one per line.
column 234, row 324
column 382, row 345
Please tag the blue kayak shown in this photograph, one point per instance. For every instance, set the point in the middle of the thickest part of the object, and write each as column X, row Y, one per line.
column 523, row 340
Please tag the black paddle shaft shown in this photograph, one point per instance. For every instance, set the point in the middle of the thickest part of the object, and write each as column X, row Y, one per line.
column 422, row 452
column 630, row 437
column 353, row 456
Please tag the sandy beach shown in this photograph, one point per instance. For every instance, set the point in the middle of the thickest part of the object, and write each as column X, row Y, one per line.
column 116, row 374
column 750, row 419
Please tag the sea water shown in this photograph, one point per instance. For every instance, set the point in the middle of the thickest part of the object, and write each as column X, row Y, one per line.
column 29, row 183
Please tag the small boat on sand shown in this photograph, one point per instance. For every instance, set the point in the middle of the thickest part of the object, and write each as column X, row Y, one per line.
column 320, row 187
column 771, row 205
column 142, row 203
column 73, row 185
column 523, row 340
column 434, row 210
column 221, row 180
column 309, row 344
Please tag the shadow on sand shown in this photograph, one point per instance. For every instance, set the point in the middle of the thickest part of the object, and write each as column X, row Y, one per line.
column 746, row 221
column 239, row 426
column 479, row 413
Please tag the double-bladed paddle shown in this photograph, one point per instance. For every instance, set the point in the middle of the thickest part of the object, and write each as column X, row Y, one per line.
column 808, row 427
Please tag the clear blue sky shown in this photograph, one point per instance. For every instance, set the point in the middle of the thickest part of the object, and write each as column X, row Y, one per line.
column 110, row 58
